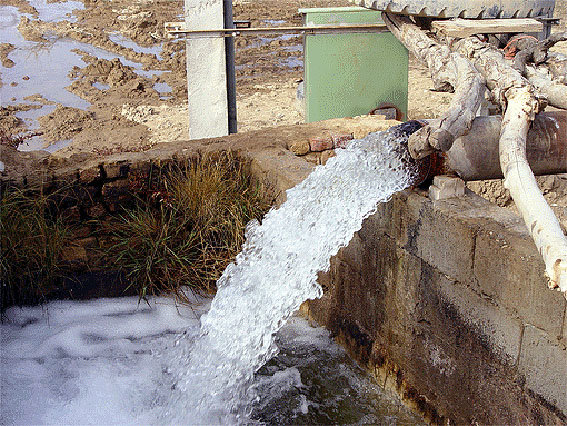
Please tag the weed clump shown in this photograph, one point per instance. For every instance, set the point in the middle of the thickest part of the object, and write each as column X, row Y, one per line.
column 32, row 237
column 189, row 230
column 182, row 226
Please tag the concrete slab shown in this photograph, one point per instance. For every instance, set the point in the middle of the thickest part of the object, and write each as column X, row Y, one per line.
column 446, row 187
column 440, row 239
column 509, row 270
column 206, row 71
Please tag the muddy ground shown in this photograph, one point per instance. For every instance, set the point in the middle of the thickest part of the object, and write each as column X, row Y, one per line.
column 137, row 98
column 123, row 101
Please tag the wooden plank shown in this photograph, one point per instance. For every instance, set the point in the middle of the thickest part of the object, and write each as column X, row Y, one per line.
column 462, row 28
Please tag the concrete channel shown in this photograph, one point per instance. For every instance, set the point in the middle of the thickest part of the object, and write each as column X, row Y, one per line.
column 443, row 302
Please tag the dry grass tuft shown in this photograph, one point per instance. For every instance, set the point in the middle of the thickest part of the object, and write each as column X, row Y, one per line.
column 190, row 230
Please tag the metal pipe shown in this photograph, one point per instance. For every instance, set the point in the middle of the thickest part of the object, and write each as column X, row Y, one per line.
column 179, row 29
column 230, row 68
column 475, row 156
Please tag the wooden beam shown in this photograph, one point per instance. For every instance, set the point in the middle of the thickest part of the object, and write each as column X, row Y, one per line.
column 463, row 28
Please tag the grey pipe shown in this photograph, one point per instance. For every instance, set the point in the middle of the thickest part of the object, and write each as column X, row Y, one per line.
column 476, row 157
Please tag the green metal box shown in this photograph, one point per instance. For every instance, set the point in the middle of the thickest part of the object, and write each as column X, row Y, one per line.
column 349, row 74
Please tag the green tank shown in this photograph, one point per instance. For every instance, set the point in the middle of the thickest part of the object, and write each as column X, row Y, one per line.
column 352, row 73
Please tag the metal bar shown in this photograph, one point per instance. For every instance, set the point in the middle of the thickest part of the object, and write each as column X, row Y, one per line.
column 179, row 29
column 230, row 69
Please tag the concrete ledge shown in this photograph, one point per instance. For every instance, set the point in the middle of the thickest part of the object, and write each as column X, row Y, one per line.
column 269, row 145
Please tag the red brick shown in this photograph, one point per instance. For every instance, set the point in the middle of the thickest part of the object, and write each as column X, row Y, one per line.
column 340, row 140
column 318, row 144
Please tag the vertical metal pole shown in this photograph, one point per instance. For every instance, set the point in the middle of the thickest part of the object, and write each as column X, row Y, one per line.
column 230, row 69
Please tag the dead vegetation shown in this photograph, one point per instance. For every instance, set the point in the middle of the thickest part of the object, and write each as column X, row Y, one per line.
column 190, row 229
column 33, row 236
column 178, row 228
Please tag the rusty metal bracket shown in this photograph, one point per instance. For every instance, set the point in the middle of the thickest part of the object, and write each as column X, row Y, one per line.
column 386, row 108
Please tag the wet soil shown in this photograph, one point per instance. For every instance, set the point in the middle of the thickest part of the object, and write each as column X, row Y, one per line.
column 118, row 57
column 142, row 67
column 121, row 56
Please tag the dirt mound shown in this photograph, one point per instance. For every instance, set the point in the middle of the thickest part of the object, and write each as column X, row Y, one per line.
column 64, row 123
column 554, row 189
column 5, row 49
column 9, row 123
column 11, row 126
column 165, row 123
column 140, row 25
column 111, row 72
column 29, row 31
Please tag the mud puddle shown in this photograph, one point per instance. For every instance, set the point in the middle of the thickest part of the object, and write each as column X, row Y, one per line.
column 274, row 22
column 151, row 72
column 37, row 143
column 54, row 12
column 130, row 44
column 45, row 66
column 101, row 86
column 40, row 75
column 259, row 42
column 291, row 62
column 165, row 91
column 42, row 67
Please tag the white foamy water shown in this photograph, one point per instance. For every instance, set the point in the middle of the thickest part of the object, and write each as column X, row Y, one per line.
column 94, row 363
column 275, row 272
column 87, row 363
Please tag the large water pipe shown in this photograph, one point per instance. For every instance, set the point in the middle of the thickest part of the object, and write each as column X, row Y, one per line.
column 475, row 156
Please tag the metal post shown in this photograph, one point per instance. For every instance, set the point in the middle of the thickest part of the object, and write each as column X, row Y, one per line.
column 230, row 69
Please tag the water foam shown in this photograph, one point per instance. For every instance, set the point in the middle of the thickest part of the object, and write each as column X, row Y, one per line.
column 93, row 362
column 276, row 271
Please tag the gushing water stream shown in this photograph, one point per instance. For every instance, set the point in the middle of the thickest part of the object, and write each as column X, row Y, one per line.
column 110, row 361
column 277, row 271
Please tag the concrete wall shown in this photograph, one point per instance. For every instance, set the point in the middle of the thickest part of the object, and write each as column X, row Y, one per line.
column 206, row 71
column 446, row 304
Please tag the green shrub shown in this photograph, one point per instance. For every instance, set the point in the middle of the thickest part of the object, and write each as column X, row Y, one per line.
column 190, row 229
column 32, row 237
